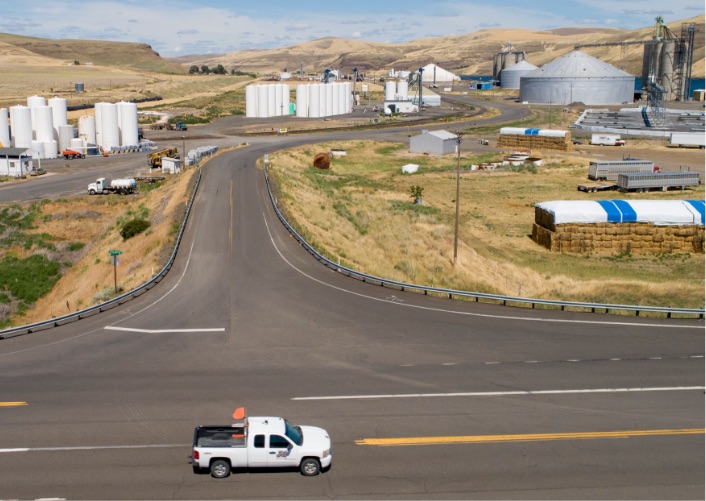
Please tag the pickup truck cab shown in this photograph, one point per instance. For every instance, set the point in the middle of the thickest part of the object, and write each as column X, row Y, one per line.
column 260, row 442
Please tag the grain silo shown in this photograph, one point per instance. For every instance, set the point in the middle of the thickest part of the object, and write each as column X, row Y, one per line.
column 577, row 77
column 510, row 77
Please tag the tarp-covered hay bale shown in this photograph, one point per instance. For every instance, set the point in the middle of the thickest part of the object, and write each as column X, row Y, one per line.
column 322, row 161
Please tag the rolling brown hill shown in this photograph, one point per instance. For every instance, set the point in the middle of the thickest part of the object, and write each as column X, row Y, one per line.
column 469, row 54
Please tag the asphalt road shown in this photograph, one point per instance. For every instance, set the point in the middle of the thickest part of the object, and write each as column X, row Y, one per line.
column 489, row 402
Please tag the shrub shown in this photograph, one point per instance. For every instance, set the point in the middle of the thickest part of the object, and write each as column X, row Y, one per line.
column 134, row 227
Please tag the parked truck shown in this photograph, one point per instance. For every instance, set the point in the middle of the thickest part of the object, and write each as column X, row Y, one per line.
column 687, row 139
column 260, row 442
column 104, row 186
column 169, row 126
column 154, row 160
column 608, row 170
column 641, row 182
column 607, row 140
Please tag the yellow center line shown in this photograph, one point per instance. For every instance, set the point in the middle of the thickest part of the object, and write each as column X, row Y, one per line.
column 12, row 404
column 397, row 442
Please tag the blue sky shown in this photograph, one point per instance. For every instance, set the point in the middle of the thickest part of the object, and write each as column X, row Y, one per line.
column 183, row 27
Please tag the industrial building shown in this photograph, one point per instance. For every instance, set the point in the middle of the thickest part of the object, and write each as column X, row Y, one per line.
column 435, row 142
column 15, row 162
column 506, row 59
column 577, row 77
column 433, row 74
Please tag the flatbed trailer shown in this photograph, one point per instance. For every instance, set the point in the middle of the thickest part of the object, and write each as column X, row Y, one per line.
column 594, row 187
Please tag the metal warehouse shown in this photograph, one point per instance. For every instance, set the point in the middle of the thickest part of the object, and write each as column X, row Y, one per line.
column 577, row 77
column 435, row 142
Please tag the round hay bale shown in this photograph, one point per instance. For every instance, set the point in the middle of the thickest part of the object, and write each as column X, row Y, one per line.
column 322, row 161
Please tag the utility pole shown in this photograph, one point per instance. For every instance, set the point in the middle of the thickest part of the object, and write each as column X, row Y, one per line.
column 459, row 138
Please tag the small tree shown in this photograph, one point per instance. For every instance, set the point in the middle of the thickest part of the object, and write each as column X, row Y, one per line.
column 205, row 70
column 219, row 70
column 193, row 70
column 416, row 193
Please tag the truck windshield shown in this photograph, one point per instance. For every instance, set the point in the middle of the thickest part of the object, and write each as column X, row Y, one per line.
column 293, row 432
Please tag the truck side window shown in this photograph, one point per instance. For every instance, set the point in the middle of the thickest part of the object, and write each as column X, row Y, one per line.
column 278, row 442
column 259, row 441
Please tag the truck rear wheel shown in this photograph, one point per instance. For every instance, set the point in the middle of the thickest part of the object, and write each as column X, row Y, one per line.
column 310, row 467
column 220, row 468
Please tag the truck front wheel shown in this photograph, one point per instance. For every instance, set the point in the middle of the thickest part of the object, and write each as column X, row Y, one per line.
column 220, row 468
column 310, row 467
column 91, row 192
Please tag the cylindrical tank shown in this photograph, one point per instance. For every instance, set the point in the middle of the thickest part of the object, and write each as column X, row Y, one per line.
column 4, row 128
column 87, row 128
column 403, row 89
column 510, row 76
column 262, row 108
column 43, row 123
column 78, row 87
column 349, row 97
column 271, row 101
column 286, row 98
column 314, row 100
column 66, row 134
column 302, row 101
column 59, row 113
column 21, row 125
column 390, row 89
column 128, row 124
column 78, row 144
column 251, row 101
column 51, row 149
column 666, row 76
column 329, row 100
column 37, row 149
column 110, row 133
column 279, row 100
column 336, row 99
column 99, row 123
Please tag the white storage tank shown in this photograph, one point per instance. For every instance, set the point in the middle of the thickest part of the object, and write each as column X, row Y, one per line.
column 87, row 128
column 51, row 149
column 349, row 97
column 43, row 123
column 4, row 127
column 59, row 113
column 336, row 102
column 21, row 124
column 314, row 100
column 302, row 101
column 329, row 100
column 286, row 97
column 110, row 132
column 390, row 90
column 128, row 124
column 99, row 124
column 66, row 134
column 251, row 101
column 262, row 107
column 279, row 100
column 37, row 149
column 271, row 101
column 403, row 90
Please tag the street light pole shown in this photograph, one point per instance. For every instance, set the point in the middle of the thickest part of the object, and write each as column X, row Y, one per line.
column 459, row 137
column 183, row 152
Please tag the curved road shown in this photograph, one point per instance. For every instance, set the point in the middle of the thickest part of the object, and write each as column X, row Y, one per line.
column 488, row 402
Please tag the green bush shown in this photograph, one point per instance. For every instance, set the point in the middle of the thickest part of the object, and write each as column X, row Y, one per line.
column 28, row 279
column 134, row 227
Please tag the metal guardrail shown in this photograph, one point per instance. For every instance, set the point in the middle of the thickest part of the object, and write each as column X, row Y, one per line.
column 478, row 296
column 123, row 298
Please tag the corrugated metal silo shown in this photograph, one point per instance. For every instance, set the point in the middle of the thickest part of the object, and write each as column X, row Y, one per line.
column 577, row 77
column 510, row 77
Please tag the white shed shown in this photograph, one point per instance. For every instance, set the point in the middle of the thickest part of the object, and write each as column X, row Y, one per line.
column 436, row 74
column 15, row 162
column 435, row 142
column 171, row 165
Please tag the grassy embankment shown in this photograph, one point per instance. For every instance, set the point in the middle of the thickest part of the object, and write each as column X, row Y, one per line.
column 54, row 254
column 360, row 212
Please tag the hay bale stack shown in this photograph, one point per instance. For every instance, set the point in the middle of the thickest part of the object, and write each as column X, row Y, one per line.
column 537, row 142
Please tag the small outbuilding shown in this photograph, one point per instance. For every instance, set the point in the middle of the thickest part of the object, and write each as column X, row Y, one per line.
column 15, row 162
column 171, row 165
column 434, row 142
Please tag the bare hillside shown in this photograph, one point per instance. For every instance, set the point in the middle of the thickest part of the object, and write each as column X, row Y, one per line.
column 469, row 54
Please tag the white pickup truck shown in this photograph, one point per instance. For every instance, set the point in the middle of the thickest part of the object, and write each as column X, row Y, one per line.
column 260, row 442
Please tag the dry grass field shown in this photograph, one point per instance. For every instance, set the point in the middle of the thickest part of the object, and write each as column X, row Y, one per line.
column 79, row 232
column 360, row 213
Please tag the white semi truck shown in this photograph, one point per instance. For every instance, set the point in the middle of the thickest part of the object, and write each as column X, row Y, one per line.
column 104, row 186
column 260, row 442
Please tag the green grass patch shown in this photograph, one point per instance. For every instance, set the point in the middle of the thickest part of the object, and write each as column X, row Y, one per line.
column 30, row 278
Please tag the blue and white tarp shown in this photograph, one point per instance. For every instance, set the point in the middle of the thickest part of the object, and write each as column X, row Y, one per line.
column 660, row 212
